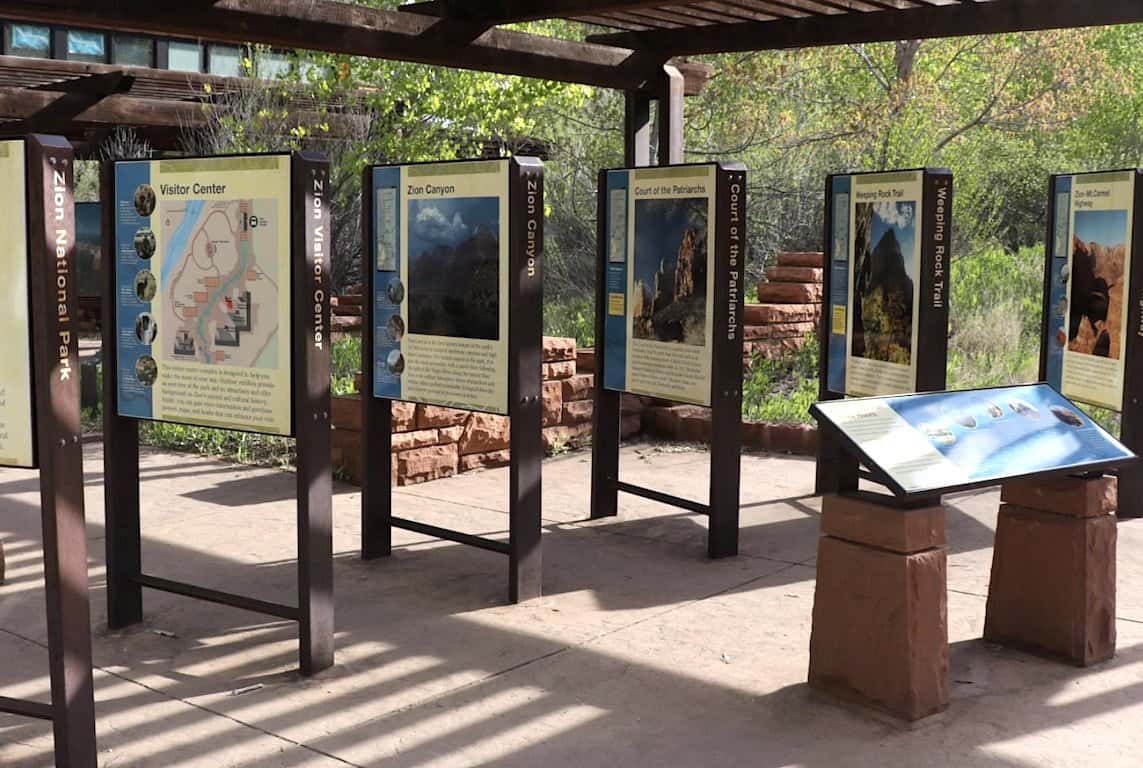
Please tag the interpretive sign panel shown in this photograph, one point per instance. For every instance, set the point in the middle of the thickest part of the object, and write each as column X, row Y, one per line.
column 203, row 277
column 944, row 441
column 1091, row 275
column 887, row 252
column 17, row 429
column 441, row 260
column 663, row 254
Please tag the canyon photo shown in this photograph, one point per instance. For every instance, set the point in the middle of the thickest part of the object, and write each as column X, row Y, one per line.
column 669, row 298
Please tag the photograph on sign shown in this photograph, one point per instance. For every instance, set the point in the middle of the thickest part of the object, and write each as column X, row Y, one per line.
column 17, row 428
column 1090, row 270
column 441, row 259
column 203, row 267
column 660, row 250
column 884, row 283
column 944, row 440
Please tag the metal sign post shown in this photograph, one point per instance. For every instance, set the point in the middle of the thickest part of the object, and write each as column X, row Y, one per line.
column 59, row 453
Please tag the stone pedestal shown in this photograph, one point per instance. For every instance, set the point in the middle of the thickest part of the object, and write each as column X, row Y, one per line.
column 880, row 622
column 1053, row 569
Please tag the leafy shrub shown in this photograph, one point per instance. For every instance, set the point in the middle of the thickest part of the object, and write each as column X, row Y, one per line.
column 782, row 391
column 572, row 318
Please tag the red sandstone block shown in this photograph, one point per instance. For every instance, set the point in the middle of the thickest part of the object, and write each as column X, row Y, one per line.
column 561, row 370
column 880, row 628
column 436, row 416
column 578, row 387
column 566, row 436
column 765, row 314
column 1052, row 590
column 801, row 259
column 429, row 463
column 485, row 432
column 345, row 412
column 630, row 424
column 585, row 360
column 778, row 331
column 631, row 404
column 790, row 293
column 403, row 441
column 1073, row 496
column 784, row 274
column 557, row 348
column 485, row 460
column 577, row 412
column 553, row 403
column 404, row 416
column 866, row 522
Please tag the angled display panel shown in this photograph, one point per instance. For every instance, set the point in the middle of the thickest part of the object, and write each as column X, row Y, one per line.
column 1091, row 274
column 203, row 277
column 17, row 430
column 887, row 256
column 663, row 259
column 441, row 269
column 946, row 441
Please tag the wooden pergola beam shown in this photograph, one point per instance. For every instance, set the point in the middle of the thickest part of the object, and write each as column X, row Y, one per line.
column 494, row 12
column 336, row 27
column 936, row 21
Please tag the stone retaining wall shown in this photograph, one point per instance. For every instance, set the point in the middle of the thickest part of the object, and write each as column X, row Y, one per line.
column 789, row 308
column 430, row 442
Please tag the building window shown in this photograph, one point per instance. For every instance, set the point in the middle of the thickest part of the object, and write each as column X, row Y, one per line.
column 27, row 40
column 132, row 51
column 86, row 46
column 273, row 65
column 184, row 57
column 226, row 60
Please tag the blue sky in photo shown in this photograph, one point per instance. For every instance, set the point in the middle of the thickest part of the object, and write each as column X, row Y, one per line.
column 658, row 232
column 901, row 217
column 1104, row 227
column 450, row 221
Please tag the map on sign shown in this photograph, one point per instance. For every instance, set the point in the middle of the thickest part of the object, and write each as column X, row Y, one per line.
column 220, row 281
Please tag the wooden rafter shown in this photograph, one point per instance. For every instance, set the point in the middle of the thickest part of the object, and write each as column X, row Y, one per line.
column 894, row 22
column 338, row 27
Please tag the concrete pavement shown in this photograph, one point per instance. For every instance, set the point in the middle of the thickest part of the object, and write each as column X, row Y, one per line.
column 642, row 652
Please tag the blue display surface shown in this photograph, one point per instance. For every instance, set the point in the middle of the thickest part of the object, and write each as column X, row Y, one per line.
column 386, row 265
column 945, row 441
column 1058, row 288
column 839, row 283
column 135, row 399
column 615, row 337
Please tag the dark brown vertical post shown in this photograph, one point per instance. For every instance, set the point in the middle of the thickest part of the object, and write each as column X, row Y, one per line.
column 525, row 378
column 311, row 342
column 1131, row 412
column 51, row 226
column 726, row 361
column 607, row 404
column 376, row 414
column 120, row 446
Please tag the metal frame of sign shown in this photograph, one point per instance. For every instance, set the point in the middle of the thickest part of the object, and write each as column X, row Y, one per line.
column 726, row 375
column 1131, row 412
column 310, row 396
column 836, row 470
column 525, row 396
column 858, row 456
column 59, row 453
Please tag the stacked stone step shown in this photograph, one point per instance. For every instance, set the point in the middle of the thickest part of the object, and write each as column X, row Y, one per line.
column 789, row 307
column 430, row 442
